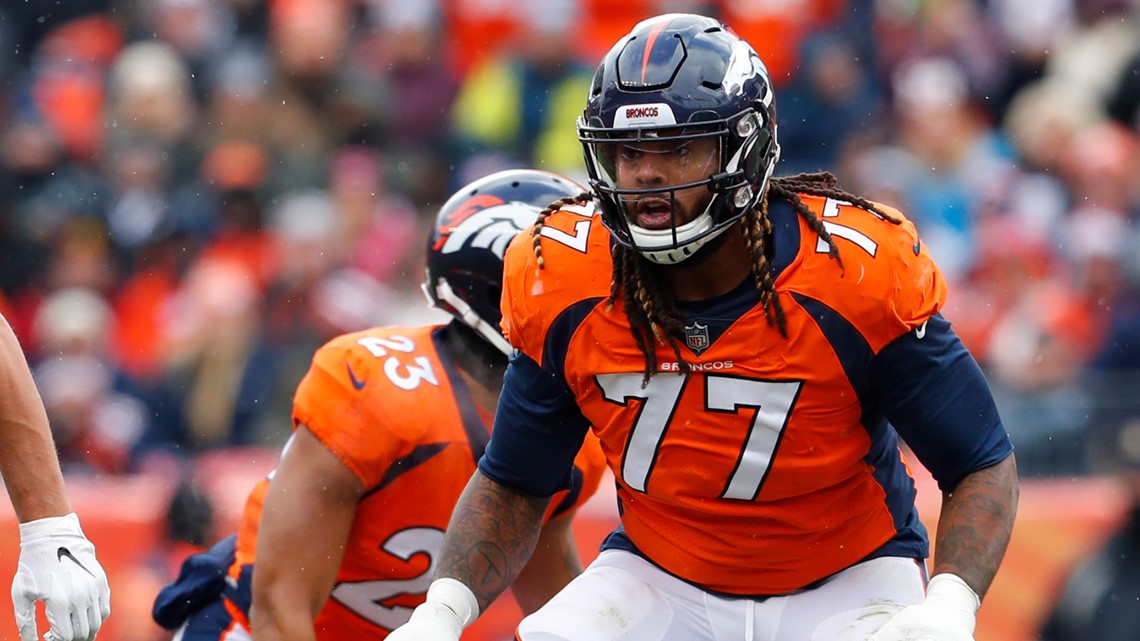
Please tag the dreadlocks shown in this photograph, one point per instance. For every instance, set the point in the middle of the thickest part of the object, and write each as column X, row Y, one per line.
column 653, row 316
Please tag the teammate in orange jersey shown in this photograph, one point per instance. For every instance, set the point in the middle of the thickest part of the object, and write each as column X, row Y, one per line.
column 749, row 351
column 390, row 423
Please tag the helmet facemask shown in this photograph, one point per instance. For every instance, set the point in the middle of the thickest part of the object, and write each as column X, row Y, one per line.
column 733, row 178
column 672, row 77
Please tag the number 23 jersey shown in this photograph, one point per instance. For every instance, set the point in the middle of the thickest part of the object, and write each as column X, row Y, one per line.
column 391, row 405
column 771, row 465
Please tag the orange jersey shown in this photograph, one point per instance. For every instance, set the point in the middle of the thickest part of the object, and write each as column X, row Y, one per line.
column 390, row 404
column 761, row 471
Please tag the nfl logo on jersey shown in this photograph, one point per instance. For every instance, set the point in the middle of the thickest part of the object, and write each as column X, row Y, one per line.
column 697, row 337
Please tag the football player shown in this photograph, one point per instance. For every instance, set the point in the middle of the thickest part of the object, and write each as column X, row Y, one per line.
column 390, row 423
column 749, row 351
column 57, row 563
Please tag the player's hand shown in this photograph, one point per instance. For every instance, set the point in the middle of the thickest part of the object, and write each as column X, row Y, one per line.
column 57, row 566
column 450, row 607
column 947, row 614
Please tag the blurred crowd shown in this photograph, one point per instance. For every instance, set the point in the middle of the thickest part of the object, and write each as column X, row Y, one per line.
column 195, row 194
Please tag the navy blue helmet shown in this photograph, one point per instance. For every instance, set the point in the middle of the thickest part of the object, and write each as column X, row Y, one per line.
column 471, row 233
column 677, row 77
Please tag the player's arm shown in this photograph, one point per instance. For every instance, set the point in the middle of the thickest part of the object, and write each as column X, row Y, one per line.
column 27, row 453
column 975, row 525
column 491, row 536
column 936, row 396
column 305, row 523
column 973, row 532
column 497, row 522
column 555, row 561
column 495, row 539
column 57, row 563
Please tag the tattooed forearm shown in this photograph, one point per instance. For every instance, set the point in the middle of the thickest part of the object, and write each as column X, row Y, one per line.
column 492, row 533
column 975, row 525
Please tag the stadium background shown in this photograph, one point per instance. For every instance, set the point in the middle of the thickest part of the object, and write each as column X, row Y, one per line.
column 195, row 194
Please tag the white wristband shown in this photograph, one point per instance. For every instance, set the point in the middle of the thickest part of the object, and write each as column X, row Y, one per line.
column 951, row 592
column 50, row 526
column 457, row 597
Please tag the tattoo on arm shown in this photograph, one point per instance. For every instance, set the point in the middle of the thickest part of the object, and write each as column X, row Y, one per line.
column 976, row 523
column 492, row 533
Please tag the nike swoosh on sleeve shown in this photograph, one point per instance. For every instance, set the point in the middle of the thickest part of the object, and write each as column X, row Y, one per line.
column 357, row 383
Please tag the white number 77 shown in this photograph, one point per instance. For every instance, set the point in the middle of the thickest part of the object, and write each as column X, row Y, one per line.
column 581, row 235
column 831, row 210
column 772, row 402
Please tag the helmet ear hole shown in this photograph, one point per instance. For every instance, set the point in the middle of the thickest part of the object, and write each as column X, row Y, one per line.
column 742, row 196
column 494, row 296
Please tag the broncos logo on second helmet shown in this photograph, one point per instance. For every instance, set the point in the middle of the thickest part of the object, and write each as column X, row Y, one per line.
column 471, row 233
column 483, row 222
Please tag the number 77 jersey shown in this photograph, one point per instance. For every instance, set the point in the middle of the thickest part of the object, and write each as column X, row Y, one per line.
column 771, row 464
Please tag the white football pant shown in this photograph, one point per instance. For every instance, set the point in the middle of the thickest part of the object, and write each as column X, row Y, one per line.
column 621, row 596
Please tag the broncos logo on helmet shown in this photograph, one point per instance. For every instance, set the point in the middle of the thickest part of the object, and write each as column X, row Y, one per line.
column 484, row 222
column 471, row 234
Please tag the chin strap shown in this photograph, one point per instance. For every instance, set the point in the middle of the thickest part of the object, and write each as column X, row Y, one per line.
column 647, row 238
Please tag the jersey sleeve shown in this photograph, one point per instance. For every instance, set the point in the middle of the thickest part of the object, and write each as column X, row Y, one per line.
column 575, row 266
column 885, row 282
column 917, row 287
column 538, row 432
column 329, row 405
column 936, row 397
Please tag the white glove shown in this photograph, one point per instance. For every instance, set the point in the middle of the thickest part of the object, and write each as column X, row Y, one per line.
column 57, row 566
column 947, row 614
column 450, row 607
